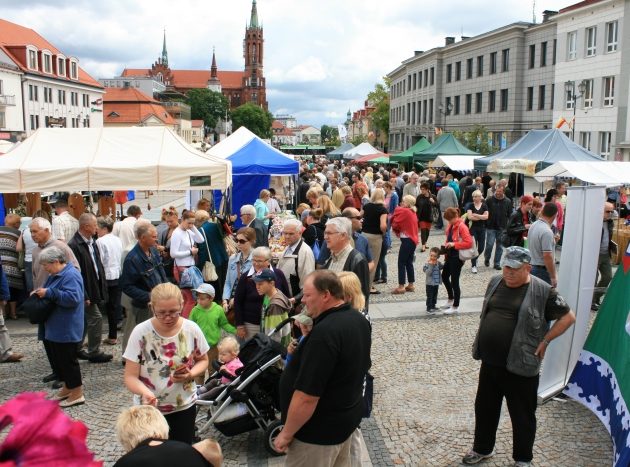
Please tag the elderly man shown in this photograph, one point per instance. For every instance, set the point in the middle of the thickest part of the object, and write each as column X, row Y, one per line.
column 412, row 187
column 604, row 267
column 64, row 225
column 321, row 391
column 41, row 233
column 124, row 229
column 142, row 270
column 248, row 217
column 298, row 260
column 541, row 242
column 343, row 257
column 513, row 336
column 88, row 255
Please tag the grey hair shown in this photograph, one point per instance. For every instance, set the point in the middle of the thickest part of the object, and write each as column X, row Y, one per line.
column 52, row 254
column 86, row 218
column 293, row 223
column 248, row 209
column 142, row 227
column 261, row 252
column 105, row 222
column 42, row 223
column 342, row 224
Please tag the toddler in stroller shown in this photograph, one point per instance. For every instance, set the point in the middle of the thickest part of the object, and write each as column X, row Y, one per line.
column 228, row 364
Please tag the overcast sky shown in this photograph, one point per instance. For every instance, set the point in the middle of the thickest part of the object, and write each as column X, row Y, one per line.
column 322, row 57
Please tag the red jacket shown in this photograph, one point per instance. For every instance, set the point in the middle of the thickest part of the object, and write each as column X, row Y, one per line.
column 405, row 221
column 461, row 238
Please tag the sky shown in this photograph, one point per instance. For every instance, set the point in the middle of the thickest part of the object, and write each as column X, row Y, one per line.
column 321, row 57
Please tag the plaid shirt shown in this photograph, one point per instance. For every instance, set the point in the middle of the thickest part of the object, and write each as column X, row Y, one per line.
column 64, row 226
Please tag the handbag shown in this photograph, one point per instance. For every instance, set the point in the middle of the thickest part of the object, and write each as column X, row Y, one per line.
column 190, row 278
column 37, row 309
column 468, row 253
column 209, row 272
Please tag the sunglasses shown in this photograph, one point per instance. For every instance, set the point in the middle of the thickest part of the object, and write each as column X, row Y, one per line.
column 609, row 212
column 241, row 240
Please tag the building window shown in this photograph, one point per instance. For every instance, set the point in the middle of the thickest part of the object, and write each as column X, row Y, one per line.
column 74, row 70
column 543, row 54
column 86, row 122
column 74, row 98
column 493, row 63
column 3, row 121
column 415, row 81
column 408, row 83
column 32, row 59
column 505, row 60
column 553, row 94
column 591, row 41
column 86, row 100
column 458, row 71
column 34, row 122
column 605, row 138
column 585, row 139
column 469, row 68
column 61, row 66
column 32, row 93
column 48, row 95
column 1, row 88
column 61, row 97
column 424, row 112
column 569, row 100
column 532, row 55
column 609, row 91
column 504, row 100
column 530, row 98
column 449, row 72
column 588, row 93
column 572, row 45
column 541, row 97
column 478, row 102
column 480, row 65
column 492, row 101
column 430, row 111
column 432, row 76
column 47, row 59
column 553, row 53
column 457, row 107
column 611, row 36
column 468, row 103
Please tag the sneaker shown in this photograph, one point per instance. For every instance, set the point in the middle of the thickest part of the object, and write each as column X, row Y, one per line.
column 486, row 263
column 451, row 310
column 474, row 270
column 497, row 267
column 522, row 464
column 433, row 310
column 447, row 305
column 474, row 457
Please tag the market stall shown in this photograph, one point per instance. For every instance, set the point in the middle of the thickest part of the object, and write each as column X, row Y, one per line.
column 406, row 157
column 457, row 163
column 446, row 144
column 363, row 149
column 338, row 152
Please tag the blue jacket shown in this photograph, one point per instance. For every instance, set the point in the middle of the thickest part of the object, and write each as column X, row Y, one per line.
column 140, row 274
column 65, row 289
column 432, row 272
column 232, row 275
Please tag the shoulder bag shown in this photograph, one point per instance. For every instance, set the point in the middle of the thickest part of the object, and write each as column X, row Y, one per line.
column 468, row 253
column 209, row 272
column 37, row 309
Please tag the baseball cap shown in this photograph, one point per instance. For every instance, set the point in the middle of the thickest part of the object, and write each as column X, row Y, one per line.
column 264, row 275
column 206, row 289
column 304, row 319
column 515, row 256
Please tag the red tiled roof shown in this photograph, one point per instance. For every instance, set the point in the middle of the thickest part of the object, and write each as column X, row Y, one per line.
column 285, row 132
column 14, row 37
column 196, row 123
column 134, row 113
column 276, row 125
column 579, row 5
column 126, row 95
column 194, row 79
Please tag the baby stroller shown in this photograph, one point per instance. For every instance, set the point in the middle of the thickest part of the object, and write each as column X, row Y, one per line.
column 251, row 400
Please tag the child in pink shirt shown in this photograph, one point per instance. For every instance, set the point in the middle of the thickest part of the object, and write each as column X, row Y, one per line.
column 228, row 355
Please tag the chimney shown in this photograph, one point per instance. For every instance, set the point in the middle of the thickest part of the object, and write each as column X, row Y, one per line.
column 547, row 14
column 418, row 52
column 465, row 37
column 449, row 40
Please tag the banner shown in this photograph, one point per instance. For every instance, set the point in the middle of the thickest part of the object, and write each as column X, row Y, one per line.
column 576, row 280
column 601, row 380
column 343, row 132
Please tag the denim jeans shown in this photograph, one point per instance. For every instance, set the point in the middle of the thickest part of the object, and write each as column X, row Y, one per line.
column 381, row 267
column 432, row 294
column 479, row 235
column 493, row 237
column 405, row 261
column 541, row 273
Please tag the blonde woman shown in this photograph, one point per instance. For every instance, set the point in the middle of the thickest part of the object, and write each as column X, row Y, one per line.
column 329, row 210
column 375, row 225
column 163, row 357
column 352, row 292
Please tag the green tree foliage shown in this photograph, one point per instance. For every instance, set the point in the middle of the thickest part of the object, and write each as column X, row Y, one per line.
column 379, row 99
column 207, row 105
column 330, row 134
column 475, row 140
column 254, row 118
column 359, row 139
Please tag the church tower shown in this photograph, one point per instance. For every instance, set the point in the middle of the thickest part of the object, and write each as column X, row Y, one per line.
column 254, row 88
column 164, row 59
column 213, row 83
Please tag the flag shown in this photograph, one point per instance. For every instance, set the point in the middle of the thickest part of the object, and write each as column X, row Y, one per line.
column 438, row 131
column 342, row 131
column 561, row 121
column 601, row 378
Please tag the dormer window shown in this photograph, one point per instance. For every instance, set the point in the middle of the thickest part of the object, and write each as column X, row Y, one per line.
column 31, row 53
column 61, row 65
column 113, row 114
column 74, row 69
column 47, row 61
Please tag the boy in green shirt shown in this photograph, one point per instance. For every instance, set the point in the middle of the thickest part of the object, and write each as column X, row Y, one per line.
column 211, row 318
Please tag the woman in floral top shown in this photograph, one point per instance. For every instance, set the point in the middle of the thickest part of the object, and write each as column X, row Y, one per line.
column 163, row 357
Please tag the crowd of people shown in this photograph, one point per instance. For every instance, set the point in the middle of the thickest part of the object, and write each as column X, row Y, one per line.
column 176, row 290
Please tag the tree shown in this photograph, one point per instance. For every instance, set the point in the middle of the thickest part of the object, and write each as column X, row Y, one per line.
column 207, row 105
column 329, row 134
column 254, row 118
column 379, row 99
column 359, row 139
column 475, row 140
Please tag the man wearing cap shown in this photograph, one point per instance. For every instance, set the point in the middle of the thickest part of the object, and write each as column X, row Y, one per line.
column 275, row 306
column 513, row 335
column 64, row 225
column 542, row 245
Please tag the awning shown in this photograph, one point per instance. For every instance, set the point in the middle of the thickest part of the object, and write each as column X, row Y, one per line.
column 521, row 166
column 609, row 173
column 458, row 163
column 375, row 158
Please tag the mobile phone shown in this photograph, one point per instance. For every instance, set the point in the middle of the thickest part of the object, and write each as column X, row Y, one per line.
column 181, row 369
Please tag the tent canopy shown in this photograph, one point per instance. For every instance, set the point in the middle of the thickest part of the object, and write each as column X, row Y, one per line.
column 457, row 163
column 379, row 158
column 104, row 159
column 609, row 173
column 257, row 157
column 338, row 152
column 406, row 156
column 363, row 149
column 446, row 144
column 545, row 147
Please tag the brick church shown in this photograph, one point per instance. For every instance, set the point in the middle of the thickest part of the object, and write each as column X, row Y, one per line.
column 239, row 87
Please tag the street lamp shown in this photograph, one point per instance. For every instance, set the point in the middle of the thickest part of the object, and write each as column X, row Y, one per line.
column 446, row 111
column 569, row 88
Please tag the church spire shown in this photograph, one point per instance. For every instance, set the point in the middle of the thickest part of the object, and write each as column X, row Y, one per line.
column 164, row 52
column 213, row 68
column 253, row 22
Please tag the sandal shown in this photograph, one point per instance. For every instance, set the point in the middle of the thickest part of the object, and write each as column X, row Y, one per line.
column 399, row 290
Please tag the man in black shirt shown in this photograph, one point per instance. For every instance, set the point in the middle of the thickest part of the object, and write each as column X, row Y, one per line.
column 321, row 389
column 511, row 342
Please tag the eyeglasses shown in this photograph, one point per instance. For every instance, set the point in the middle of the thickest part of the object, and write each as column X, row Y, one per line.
column 241, row 240
column 164, row 314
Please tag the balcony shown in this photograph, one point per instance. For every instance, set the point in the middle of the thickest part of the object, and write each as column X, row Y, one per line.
column 7, row 100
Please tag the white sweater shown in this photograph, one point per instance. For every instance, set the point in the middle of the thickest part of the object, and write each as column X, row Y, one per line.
column 181, row 243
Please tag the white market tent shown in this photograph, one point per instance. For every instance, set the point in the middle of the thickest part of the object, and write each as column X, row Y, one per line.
column 105, row 159
column 609, row 173
column 238, row 140
column 363, row 149
column 457, row 163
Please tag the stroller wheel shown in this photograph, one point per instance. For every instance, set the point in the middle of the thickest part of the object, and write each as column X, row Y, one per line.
column 271, row 433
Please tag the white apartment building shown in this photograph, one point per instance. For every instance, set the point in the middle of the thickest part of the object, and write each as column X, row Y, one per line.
column 593, row 75
column 11, row 111
column 145, row 84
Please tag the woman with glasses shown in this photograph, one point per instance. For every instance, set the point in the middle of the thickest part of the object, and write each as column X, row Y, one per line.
column 238, row 263
column 165, row 232
column 163, row 357
column 183, row 251
column 247, row 301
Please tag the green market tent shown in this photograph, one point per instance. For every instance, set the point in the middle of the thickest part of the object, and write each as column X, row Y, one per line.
column 406, row 157
column 445, row 145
